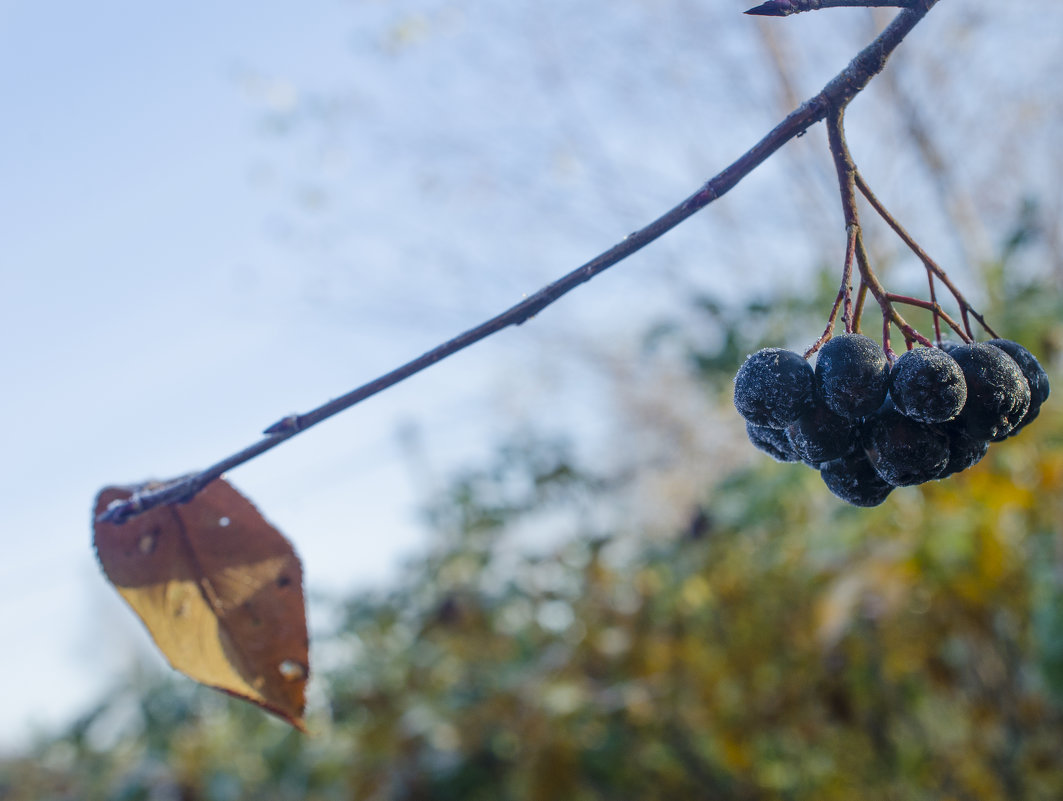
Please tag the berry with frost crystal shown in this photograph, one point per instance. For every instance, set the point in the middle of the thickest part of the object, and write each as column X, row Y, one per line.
column 773, row 387
column 998, row 395
column 773, row 442
column 927, row 385
column 964, row 450
column 1034, row 374
column 852, row 479
column 852, row 374
column 903, row 451
column 820, row 435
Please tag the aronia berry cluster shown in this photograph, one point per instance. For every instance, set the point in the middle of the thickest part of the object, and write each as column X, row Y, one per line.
column 868, row 428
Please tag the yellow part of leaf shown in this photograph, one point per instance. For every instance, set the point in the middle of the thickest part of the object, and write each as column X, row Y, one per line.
column 219, row 589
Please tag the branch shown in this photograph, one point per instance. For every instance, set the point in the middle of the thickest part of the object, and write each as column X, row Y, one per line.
column 836, row 94
column 784, row 8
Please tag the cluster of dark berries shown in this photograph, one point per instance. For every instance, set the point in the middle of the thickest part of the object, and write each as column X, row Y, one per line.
column 868, row 428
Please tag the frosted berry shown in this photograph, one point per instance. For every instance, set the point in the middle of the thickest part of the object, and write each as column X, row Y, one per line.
column 998, row 395
column 852, row 479
column 773, row 387
column 869, row 428
column 773, row 442
column 820, row 435
column 1032, row 371
column 1034, row 374
column 927, row 385
column 964, row 450
column 851, row 375
column 904, row 452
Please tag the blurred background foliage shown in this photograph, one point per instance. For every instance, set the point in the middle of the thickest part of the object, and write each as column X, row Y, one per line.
column 771, row 643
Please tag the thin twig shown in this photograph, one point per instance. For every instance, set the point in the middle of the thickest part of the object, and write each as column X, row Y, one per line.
column 931, row 266
column 847, row 278
column 844, row 167
column 784, row 8
column 934, row 300
column 846, row 172
column 828, row 332
column 878, row 292
column 847, row 180
column 839, row 91
column 844, row 298
column 861, row 296
column 931, row 306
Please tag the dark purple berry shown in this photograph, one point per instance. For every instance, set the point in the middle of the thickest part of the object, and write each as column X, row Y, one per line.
column 773, row 387
column 1032, row 370
column 998, row 395
column 852, row 479
column 773, row 442
column 927, row 385
column 851, row 375
column 1034, row 374
column 964, row 450
column 1029, row 418
column 903, row 451
column 820, row 435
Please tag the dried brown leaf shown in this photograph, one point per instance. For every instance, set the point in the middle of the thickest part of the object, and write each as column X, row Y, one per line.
column 219, row 589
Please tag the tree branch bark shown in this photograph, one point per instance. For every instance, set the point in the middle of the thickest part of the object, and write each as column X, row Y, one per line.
column 784, row 8
column 835, row 95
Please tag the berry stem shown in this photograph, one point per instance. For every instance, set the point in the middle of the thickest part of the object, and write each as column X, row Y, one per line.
column 933, row 269
column 937, row 308
column 847, row 176
column 983, row 323
column 861, row 296
column 878, row 292
column 847, row 276
column 931, row 306
column 828, row 332
column 844, row 298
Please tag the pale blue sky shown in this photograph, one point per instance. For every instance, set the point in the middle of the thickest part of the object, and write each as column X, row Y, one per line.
column 164, row 295
column 131, row 347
